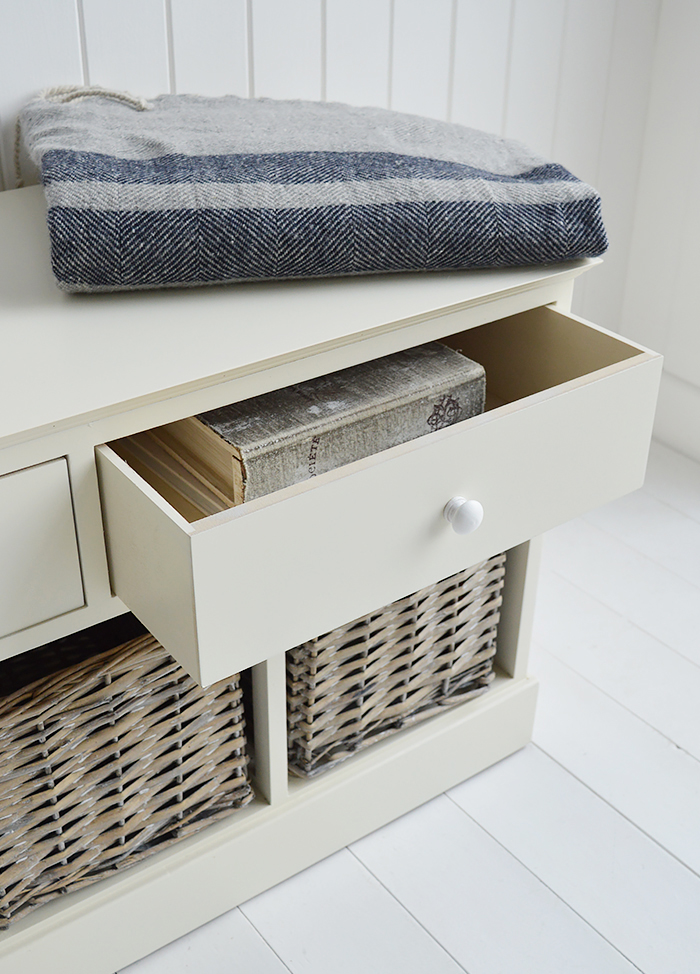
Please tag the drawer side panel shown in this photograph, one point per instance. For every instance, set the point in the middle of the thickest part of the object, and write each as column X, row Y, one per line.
column 149, row 559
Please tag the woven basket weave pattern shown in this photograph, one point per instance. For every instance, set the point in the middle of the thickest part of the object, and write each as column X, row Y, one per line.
column 106, row 762
column 402, row 664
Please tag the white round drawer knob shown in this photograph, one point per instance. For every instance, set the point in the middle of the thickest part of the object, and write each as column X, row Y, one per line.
column 464, row 516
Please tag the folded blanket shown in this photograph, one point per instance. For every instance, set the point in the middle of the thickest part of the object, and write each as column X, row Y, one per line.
column 189, row 190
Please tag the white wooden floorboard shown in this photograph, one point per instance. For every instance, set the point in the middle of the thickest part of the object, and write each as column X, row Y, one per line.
column 227, row 945
column 653, row 597
column 619, row 757
column 674, row 479
column 490, row 912
column 647, row 677
column 336, row 918
column 655, row 529
column 629, row 889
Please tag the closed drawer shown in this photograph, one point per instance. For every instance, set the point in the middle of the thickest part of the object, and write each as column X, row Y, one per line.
column 39, row 567
column 568, row 423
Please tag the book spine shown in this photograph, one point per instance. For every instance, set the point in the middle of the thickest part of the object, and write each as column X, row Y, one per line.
column 354, row 437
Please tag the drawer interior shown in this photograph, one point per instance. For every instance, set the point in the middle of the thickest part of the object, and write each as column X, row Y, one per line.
column 537, row 350
column 523, row 355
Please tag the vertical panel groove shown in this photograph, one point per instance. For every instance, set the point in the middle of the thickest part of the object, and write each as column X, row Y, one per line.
column 324, row 51
column 82, row 41
column 421, row 57
column 509, row 58
column 251, row 47
column 562, row 48
column 357, row 46
column 451, row 69
column 390, row 81
column 2, row 160
column 606, row 107
column 127, row 45
column 170, row 46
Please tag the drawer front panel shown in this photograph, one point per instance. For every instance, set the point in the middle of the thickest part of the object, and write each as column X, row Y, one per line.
column 39, row 567
column 233, row 589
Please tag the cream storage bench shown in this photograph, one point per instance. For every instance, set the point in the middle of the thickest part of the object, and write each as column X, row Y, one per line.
column 83, row 538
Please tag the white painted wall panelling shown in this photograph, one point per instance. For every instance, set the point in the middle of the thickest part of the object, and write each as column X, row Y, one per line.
column 358, row 43
column 582, row 93
column 39, row 47
column 661, row 292
column 287, row 49
column 669, row 171
column 2, row 157
column 583, row 86
column 127, row 45
column 422, row 57
column 620, row 151
column 683, row 348
column 481, row 58
column 210, row 47
column 535, row 61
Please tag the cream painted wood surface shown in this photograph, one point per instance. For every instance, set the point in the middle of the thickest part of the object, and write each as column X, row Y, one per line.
column 112, row 366
column 39, row 566
column 517, row 610
column 93, row 353
column 373, row 531
column 270, row 720
column 103, row 369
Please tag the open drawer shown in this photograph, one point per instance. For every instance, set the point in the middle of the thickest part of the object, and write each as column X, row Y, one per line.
column 567, row 428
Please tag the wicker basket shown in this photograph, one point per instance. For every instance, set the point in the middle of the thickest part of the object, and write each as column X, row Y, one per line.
column 395, row 667
column 107, row 761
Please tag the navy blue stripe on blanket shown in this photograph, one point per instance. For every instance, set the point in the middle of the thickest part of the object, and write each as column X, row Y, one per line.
column 95, row 250
column 59, row 165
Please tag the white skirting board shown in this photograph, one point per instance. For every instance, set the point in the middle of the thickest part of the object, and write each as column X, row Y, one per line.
column 678, row 415
column 107, row 926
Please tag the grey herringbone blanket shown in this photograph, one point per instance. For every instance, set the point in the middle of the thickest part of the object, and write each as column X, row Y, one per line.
column 196, row 190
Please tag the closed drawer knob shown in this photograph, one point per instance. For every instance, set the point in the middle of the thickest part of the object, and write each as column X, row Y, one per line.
column 464, row 516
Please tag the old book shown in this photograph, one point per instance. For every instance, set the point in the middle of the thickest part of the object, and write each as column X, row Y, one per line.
column 251, row 448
